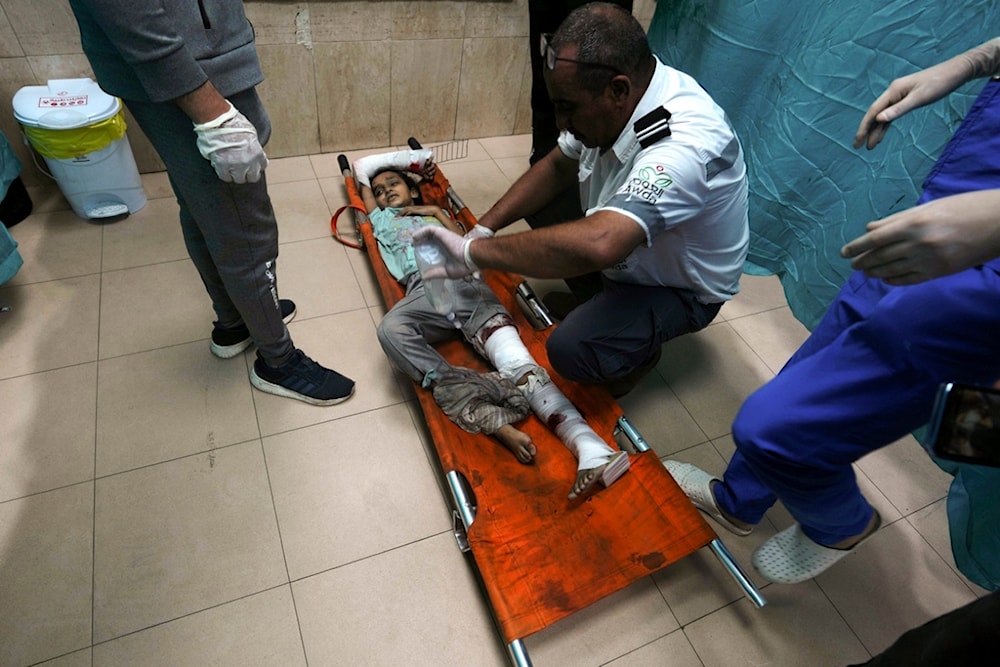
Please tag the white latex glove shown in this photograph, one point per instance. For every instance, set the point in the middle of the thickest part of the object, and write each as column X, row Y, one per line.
column 230, row 143
column 459, row 263
column 924, row 87
column 416, row 161
column 479, row 232
column 941, row 237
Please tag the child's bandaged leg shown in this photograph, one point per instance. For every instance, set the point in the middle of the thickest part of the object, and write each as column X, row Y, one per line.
column 511, row 358
column 556, row 411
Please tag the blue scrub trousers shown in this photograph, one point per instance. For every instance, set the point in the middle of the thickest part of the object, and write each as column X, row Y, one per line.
column 869, row 373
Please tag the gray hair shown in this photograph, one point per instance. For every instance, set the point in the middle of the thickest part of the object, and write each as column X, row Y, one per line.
column 605, row 34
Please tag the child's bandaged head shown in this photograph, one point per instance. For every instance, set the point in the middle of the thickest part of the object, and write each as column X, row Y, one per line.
column 409, row 160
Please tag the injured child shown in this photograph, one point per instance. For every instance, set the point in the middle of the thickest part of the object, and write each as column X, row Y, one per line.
column 489, row 402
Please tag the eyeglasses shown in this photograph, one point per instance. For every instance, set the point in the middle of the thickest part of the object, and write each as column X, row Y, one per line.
column 549, row 55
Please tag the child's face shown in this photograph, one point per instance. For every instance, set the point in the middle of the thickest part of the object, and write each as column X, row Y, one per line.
column 390, row 190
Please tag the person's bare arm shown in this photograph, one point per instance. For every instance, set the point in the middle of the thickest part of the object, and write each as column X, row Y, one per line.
column 592, row 243
column 535, row 188
column 203, row 104
column 368, row 198
column 561, row 251
column 435, row 211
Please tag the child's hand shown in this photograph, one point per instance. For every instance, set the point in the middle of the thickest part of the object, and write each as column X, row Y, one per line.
column 437, row 212
column 426, row 209
column 430, row 169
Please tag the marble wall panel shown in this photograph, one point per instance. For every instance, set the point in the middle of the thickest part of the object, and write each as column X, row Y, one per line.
column 350, row 21
column 492, row 70
column 69, row 66
column 289, row 95
column 497, row 19
column 279, row 23
column 9, row 46
column 43, row 27
column 425, row 85
column 353, row 81
column 428, row 20
column 522, row 124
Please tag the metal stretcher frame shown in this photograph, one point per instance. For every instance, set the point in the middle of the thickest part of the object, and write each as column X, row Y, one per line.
column 539, row 557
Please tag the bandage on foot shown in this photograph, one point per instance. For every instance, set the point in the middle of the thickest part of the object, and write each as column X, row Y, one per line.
column 607, row 474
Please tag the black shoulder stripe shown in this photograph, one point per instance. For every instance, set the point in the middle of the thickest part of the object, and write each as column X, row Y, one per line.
column 652, row 127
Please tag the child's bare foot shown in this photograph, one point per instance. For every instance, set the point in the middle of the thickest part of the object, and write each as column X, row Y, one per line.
column 606, row 474
column 518, row 442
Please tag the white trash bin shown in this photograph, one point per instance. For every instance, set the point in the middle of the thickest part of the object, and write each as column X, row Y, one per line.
column 80, row 132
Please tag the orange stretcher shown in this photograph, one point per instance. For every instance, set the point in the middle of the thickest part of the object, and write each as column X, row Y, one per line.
column 541, row 557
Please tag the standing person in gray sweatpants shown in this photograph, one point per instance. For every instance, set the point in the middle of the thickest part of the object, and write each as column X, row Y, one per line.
column 187, row 71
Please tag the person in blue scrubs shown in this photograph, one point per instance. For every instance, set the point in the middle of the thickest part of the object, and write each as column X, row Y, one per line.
column 920, row 309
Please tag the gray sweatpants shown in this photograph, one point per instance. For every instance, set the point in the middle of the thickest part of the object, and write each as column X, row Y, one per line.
column 229, row 229
column 410, row 328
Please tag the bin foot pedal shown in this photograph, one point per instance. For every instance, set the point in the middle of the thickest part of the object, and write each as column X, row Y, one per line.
column 107, row 210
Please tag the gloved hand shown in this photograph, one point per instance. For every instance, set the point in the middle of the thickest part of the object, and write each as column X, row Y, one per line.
column 940, row 237
column 459, row 263
column 924, row 87
column 230, row 143
column 479, row 232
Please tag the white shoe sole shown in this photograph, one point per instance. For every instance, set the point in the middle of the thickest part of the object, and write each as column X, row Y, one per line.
column 697, row 485
column 791, row 558
column 278, row 390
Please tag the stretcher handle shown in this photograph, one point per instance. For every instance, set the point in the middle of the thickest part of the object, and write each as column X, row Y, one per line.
column 413, row 143
column 354, row 203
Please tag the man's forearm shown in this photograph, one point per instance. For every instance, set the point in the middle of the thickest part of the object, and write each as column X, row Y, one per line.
column 203, row 104
column 562, row 251
column 535, row 188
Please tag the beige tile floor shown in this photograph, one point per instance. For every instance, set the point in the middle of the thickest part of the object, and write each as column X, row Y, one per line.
column 156, row 510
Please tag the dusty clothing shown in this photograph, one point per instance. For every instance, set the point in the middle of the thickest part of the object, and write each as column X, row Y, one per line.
column 479, row 402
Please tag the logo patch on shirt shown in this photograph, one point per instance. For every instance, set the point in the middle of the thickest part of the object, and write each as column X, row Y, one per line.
column 649, row 183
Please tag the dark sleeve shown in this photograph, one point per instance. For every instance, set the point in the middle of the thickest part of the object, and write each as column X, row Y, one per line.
column 147, row 36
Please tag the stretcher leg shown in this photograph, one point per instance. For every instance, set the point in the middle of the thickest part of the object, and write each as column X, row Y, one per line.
column 626, row 431
column 464, row 514
column 518, row 654
column 465, row 508
column 532, row 307
column 749, row 588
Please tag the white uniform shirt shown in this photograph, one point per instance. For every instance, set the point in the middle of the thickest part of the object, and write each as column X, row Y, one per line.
column 687, row 191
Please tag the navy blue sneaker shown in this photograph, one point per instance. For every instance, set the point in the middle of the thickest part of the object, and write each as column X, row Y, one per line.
column 303, row 379
column 227, row 343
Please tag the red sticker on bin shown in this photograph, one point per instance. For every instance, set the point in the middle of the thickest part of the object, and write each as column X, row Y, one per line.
column 63, row 101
